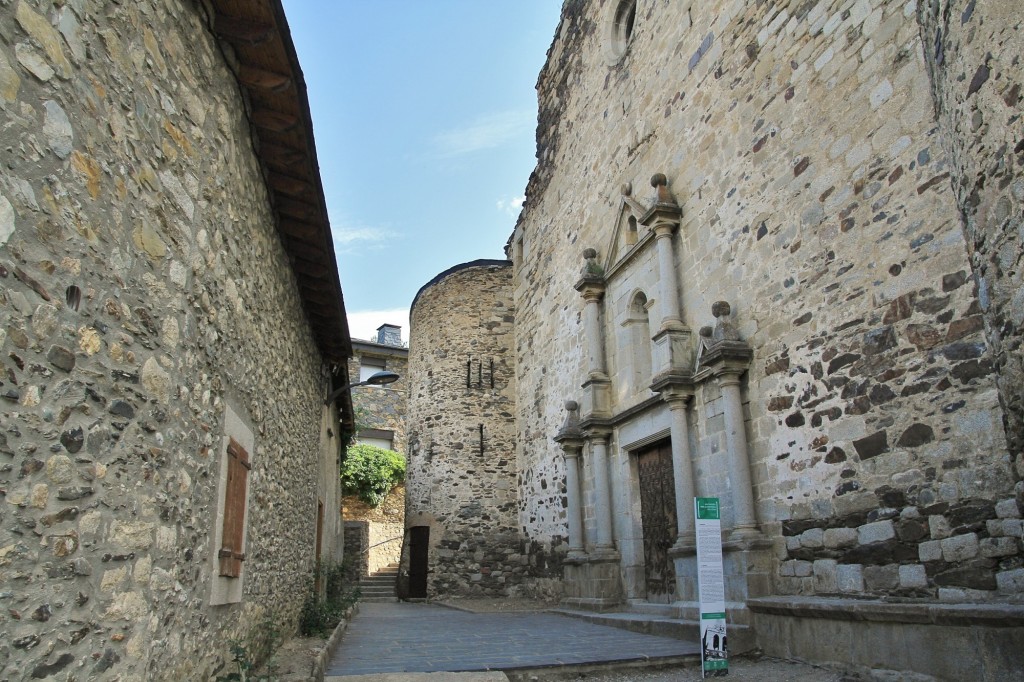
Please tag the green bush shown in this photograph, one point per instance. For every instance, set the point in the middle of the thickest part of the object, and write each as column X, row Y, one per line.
column 320, row 615
column 371, row 472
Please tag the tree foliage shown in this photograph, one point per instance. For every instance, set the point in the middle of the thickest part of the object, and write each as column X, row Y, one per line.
column 371, row 472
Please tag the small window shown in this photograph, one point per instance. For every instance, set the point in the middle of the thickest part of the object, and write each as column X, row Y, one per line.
column 622, row 26
column 380, row 438
column 370, row 366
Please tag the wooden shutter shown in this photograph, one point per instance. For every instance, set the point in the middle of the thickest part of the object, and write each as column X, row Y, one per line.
column 233, row 532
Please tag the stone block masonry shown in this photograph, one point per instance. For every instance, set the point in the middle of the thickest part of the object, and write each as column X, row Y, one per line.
column 143, row 288
column 462, row 480
column 802, row 144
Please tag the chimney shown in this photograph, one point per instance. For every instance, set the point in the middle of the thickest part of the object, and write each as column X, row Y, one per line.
column 389, row 335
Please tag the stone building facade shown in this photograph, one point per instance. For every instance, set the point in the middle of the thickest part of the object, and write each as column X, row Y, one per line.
column 380, row 410
column 380, row 415
column 168, row 467
column 742, row 272
column 463, row 509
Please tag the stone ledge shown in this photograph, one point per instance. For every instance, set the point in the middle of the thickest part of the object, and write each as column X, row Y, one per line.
column 988, row 615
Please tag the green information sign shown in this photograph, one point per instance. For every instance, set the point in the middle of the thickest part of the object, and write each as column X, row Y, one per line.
column 707, row 508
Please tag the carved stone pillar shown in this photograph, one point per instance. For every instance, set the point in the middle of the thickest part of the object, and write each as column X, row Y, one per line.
column 726, row 357
column 597, row 388
column 682, row 469
column 604, row 544
column 668, row 286
column 672, row 352
column 739, row 460
column 571, row 439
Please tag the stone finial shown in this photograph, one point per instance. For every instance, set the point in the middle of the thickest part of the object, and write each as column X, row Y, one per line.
column 571, row 426
column 724, row 329
column 591, row 267
column 660, row 184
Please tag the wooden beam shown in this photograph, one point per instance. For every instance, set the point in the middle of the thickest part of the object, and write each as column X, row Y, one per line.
column 240, row 30
column 296, row 229
column 286, row 184
column 274, row 121
column 299, row 210
column 278, row 156
column 261, row 79
column 309, row 254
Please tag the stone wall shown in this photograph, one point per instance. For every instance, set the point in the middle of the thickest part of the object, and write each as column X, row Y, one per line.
column 385, row 526
column 801, row 142
column 382, row 407
column 144, row 289
column 973, row 55
column 462, row 475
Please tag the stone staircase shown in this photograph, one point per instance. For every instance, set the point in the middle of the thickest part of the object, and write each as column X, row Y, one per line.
column 379, row 587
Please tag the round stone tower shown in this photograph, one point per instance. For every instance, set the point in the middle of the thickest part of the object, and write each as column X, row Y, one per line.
column 462, row 525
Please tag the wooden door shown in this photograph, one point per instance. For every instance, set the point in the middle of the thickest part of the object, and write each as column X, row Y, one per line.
column 419, row 544
column 658, row 517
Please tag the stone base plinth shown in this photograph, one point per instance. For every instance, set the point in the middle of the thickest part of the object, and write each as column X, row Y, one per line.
column 982, row 642
column 747, row 573
column 594, row 584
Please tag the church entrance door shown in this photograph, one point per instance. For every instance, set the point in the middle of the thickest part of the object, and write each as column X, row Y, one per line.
column 658, row 517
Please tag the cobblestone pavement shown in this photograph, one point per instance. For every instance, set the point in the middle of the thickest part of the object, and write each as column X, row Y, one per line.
column 426, row 638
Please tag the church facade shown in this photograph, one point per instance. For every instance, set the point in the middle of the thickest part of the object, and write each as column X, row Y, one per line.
column 770, row 254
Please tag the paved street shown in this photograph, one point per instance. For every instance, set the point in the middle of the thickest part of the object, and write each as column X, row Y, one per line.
column 426, row 638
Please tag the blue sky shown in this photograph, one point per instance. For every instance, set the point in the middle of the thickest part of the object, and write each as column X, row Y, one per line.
column 424, row 113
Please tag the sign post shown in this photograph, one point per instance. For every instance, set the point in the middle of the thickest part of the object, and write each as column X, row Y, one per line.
column 714, row 653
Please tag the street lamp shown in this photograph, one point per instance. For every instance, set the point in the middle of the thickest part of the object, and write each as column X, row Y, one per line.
column 376, row 379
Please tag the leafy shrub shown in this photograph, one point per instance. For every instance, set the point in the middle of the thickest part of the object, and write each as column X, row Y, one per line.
column 371, row 472
column 319, row 616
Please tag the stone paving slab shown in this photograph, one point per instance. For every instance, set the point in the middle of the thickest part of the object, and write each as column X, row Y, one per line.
column 389, row 638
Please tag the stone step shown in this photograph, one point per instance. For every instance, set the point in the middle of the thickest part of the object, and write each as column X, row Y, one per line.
column 741, row 637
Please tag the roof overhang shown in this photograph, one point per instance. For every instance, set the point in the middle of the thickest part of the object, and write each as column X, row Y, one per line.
column 268, row 73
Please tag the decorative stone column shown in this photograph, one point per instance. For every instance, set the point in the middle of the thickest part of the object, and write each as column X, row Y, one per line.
column 682, row 469
column 604, row 545
column 672, row 348
column 727, row 358
column 570, row 437
column 597, row 388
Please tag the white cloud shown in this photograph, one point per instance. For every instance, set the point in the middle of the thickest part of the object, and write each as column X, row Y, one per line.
column 486, row 132
column 350, row 238
column 363, row 324
column 512, row 206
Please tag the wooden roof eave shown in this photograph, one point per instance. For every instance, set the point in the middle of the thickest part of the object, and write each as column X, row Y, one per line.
column 267, row 69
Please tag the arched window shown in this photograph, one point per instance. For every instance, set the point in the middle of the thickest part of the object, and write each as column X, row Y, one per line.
column 639, row 349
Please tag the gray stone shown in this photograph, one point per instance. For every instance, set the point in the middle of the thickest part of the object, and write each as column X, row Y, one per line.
column 930, row 550
column 825, row 577
column 33, row 62
column 811, row 538
column 938, row 527
column 913, row 576
column 803, row 569
column 839, row 537
column 879, row 531
column 81, row 566
column 57, row 129
column 960, row 547
column 880, row 578
column 850, row 578
column 61, row 358
column 1010, row 582
column 74, row 492
column 1007, row 509
column 6, row 220
column 999, row 547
